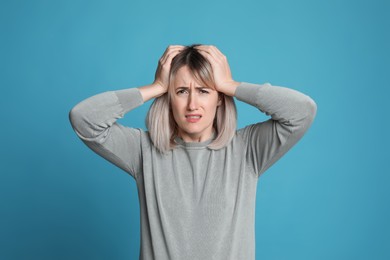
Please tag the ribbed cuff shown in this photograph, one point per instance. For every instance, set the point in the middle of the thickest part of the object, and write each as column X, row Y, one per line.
column 246, row 91
column 129, row 98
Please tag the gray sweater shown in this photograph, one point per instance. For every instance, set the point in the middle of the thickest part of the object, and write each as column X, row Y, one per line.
column 196, row 203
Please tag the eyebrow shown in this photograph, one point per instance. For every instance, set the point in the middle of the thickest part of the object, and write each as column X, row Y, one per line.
column 195, row 87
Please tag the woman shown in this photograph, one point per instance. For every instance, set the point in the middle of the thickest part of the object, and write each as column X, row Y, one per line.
column 196, row 174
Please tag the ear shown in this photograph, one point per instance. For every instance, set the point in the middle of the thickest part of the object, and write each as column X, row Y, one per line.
column 220, row 99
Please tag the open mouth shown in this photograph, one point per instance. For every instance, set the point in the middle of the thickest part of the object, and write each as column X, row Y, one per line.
column 193, row 118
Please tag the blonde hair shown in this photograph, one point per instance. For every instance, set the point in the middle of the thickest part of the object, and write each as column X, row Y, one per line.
column 159, row 120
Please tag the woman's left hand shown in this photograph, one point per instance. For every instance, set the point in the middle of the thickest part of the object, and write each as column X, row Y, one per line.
column 221, row 69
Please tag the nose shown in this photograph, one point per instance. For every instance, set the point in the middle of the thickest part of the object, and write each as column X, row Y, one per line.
column 192, row 101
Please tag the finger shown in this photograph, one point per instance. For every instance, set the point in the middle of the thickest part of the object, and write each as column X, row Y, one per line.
column 209, row 56
column 217, row 60
column 174, row 47
column 169, row 51
column 209, row 48
column 213, row 51
column 170, row 48
column 217, row 53
column 170, row 55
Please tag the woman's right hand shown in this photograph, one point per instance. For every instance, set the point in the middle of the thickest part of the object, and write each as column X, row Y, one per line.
column 161, row 79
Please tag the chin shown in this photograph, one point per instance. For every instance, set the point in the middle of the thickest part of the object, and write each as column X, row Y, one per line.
column 191, row 131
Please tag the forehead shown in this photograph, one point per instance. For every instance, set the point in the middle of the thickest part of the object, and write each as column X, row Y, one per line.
column 184, row 77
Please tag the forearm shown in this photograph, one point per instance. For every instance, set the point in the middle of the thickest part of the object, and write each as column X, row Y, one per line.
column 92, row 116
column 151, row 91
column 229, row 88
column 292, row 113
column 285, row 105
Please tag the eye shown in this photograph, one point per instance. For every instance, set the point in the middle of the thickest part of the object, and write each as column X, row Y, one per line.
column 203, row 91
column 182, row 91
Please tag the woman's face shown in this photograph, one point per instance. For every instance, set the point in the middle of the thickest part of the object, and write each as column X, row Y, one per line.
column 193, row 107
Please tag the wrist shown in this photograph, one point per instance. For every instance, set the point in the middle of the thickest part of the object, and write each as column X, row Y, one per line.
column 158, row 88
column 229, row 88
column 152, row 91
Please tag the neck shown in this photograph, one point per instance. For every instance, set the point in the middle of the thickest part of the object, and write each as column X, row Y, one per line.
column 195, row 138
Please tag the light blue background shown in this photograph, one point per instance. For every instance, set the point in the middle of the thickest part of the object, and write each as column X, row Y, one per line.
column 328, row 198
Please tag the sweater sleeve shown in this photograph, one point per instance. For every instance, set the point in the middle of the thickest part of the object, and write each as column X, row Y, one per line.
column 94, row 121
column 291, row 113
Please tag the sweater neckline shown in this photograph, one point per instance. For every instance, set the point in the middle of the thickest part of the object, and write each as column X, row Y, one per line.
column 178, row 140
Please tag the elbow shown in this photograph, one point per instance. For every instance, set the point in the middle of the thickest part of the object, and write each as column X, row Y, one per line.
column 307, row 113
column 76, row 119
column 310, row 111
column 302, row 124
column 311, row 108
column 73, row 116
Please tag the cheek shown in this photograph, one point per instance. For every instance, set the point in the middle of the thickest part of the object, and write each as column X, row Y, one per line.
column 212, row 105
column 174, row 105
column 175, row 110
